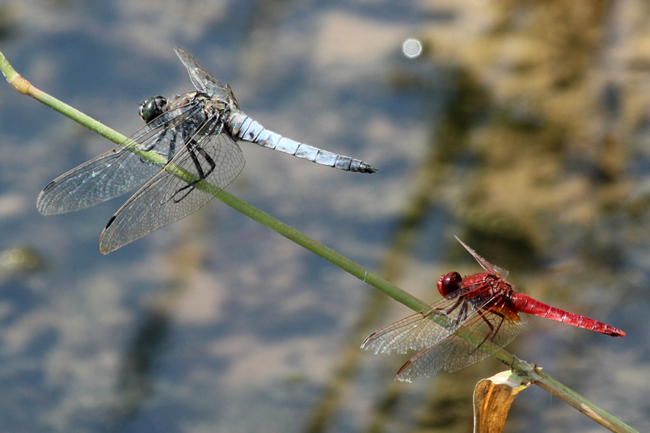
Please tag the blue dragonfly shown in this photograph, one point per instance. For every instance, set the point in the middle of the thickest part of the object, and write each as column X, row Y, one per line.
column 196, row 132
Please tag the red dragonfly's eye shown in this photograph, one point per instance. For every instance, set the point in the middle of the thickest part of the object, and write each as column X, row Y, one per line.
column 449, row 283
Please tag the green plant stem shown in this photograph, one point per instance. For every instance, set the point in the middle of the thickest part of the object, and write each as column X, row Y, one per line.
column 583, row 405
column 23, row 86
column 524, row 369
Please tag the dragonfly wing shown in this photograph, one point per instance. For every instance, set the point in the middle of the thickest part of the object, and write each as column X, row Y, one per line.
column 488, row 329
column 420, row 330
column 412, row 333
column 489, row 267
column 113, row 173
column 202, row 80
column 167, row 198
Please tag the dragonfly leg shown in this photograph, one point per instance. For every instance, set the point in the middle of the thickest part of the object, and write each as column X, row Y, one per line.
column 209, row 160
column 190, row 186
column 156, row 142
column 158, row 139
column 503, row 318
column 493, row 332
column 462, row 316
column 192, row 149
column 453, row 307
column 453, row 323
column 192, row 146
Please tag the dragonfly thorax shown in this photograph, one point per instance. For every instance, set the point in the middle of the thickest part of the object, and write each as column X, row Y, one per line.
column 447, row 284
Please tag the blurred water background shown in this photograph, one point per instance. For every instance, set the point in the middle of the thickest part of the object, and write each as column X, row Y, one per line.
column 522, row 127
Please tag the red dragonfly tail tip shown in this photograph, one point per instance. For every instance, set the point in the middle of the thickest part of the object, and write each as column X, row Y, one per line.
column 618, row 333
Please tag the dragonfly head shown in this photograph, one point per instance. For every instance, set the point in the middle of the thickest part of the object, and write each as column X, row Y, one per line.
column 448, row 284
column 152, row 108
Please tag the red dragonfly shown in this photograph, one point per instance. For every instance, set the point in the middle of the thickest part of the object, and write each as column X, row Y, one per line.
column 482, row 307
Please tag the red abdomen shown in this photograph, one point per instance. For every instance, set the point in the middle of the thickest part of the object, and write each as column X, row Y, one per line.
column 526, row 304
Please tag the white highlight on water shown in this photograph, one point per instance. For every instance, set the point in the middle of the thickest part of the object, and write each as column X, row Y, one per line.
column 412, row 48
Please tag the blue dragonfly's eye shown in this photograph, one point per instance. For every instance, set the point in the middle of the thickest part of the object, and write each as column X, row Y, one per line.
column 152, row 108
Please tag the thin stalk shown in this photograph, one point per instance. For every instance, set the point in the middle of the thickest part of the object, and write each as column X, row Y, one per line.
column 26, row 88
column 524, row 369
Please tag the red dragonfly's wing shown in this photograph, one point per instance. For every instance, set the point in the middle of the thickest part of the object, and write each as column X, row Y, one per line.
column 432, row 325
column 489, row 267
column 414, row 332
column 442, row 346
column 493, row 323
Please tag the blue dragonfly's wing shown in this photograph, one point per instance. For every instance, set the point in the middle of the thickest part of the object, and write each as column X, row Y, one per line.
column 201, row 79
column 116, row 172
column 209, row 154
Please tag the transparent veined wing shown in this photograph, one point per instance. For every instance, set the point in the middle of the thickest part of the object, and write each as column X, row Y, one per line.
column 202, row 80
column 440, row 343
column 116, row 172
column 208, row 154
column 485, row 331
